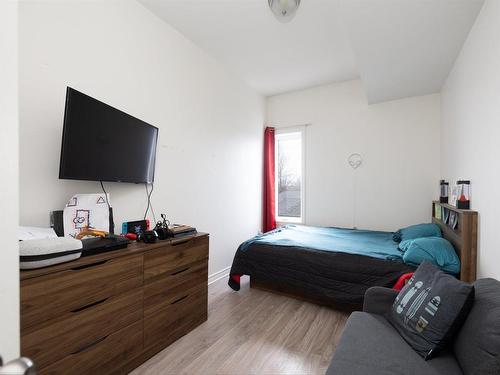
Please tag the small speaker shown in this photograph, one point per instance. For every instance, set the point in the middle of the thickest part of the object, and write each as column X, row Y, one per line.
column 56, row 222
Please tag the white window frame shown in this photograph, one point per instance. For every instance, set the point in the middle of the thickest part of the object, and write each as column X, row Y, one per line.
column 283, row 219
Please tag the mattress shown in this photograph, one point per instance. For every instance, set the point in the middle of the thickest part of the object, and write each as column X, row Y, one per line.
column 330, row 264
column 375, row 244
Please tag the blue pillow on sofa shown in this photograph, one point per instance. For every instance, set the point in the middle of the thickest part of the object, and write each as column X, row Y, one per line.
column 417, row 231
column 436, row 250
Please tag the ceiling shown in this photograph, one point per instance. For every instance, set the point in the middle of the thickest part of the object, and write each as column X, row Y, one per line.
column 407, row 48
column 399, row 48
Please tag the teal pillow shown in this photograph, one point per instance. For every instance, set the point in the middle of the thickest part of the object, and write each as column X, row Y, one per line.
column 417, row 231
column 436, row 250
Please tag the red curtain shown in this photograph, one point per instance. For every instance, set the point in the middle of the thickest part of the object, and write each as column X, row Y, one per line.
column 269, row 213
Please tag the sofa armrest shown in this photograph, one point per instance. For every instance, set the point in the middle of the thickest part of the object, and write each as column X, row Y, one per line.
column 378, row 300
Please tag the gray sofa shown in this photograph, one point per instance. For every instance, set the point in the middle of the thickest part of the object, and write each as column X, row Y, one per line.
column 370, row 345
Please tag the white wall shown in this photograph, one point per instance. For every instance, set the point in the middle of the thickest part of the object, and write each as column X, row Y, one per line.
column 471, row 129
column 208, row 170
column 399, row 142
column 9, row 255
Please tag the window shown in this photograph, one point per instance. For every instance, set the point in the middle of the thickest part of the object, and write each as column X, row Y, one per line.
column 289, row 167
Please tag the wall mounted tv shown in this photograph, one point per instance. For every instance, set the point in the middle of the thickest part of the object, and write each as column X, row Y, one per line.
column 101, row 143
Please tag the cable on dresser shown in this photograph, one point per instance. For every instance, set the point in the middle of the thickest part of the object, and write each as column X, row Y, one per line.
column 111, row 221
column 150, row 204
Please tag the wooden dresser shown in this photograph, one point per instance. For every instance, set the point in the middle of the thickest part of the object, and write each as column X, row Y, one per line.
column 108, row 313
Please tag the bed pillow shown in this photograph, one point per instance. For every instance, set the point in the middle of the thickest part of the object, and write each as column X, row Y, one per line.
column 417, row 231
column 430, row 309
column 436, row 250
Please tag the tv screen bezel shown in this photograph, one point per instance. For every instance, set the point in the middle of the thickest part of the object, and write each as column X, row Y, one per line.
column 64, row 133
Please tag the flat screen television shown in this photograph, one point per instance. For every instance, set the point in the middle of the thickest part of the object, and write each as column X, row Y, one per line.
column 102, row 143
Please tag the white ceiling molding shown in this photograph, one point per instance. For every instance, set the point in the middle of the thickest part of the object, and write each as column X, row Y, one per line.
column 399, row 48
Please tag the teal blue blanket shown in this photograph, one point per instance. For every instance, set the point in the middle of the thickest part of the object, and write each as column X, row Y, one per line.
column 353, row 241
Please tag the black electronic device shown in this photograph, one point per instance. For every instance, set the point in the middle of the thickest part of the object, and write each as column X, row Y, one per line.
column 101, row 143
column 180, row 230
column 161, row 228
column 165, row 230
column 163, row 234
column 57, row 222
column 136, row 227
column 97, row 245
column 149, row 236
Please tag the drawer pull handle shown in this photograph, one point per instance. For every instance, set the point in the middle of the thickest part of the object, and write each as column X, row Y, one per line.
column 179, row 300
column 88, row 265
column 180, row 271
column 90, row 305
column 88, row 346
column 182, row 242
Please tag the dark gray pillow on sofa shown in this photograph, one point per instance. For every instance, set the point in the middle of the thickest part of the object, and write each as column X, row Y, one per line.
column 430, row 309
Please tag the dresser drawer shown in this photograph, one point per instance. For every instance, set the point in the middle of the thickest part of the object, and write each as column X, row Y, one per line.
column 56, row 295
column 173, row 285
column 104, row 356
column 82, row 327
column 175, row 320
column 170, row 257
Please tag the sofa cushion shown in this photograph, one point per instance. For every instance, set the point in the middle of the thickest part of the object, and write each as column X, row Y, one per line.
column 478, row 342
column 491, row 367
column 378, row 300
column 370, row 345
column 430, row 309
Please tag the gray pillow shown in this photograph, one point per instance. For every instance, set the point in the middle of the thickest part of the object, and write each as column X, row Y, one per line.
column 430, row 309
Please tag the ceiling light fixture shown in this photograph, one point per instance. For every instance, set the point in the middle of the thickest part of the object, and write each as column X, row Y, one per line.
column 284, row 10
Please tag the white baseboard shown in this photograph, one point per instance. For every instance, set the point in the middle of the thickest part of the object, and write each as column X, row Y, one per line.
column 218, row 275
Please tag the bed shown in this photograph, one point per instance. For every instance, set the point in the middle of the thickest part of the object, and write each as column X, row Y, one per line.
column 335, row 266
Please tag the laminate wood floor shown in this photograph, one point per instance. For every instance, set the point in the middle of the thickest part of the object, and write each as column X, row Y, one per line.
column 253, row 332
